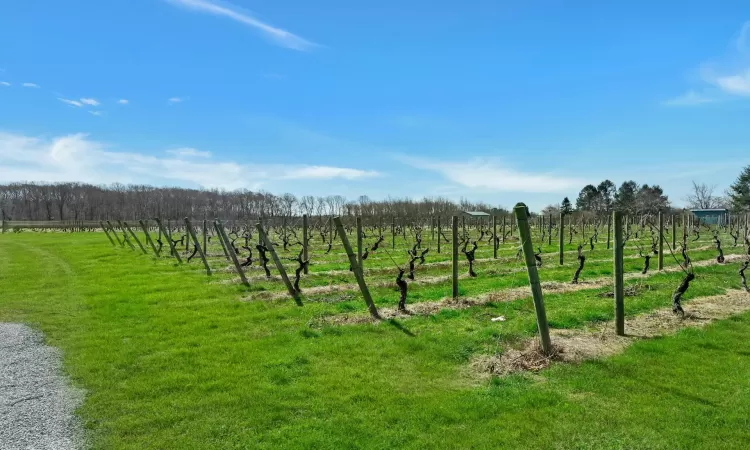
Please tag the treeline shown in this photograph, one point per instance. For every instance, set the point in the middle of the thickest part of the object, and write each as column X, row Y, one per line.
column 80, row 201
column 630, row 198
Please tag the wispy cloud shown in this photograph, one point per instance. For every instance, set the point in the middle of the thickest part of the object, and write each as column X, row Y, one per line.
column 96, row 113
column 90, row 101
column 188, row 152
column 493, row 176
column 730, row 73
column 75, row 103
column 30, row 85
column 279, row 36
column 78, row 157
column 175, row 100
column 4, row 83
column 689, row 98
column 123, row 101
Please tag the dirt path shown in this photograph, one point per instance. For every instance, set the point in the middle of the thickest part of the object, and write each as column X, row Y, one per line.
column 599, row 340
column 36, row 401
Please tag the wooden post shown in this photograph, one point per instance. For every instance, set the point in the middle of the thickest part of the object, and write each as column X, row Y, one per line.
column 454, row 256
column 224, row 246
column 674, row 232
column 440, row 236
column 279, row 265
column 107, row 233
column 684, row 226
column 148, row 237
column 619, row 293
column 549, row 229
column 494, row 236
column 661, row 240
column 561, row 228
column 463, row 225
column 228, row 247
column 5, row 227
column 114, row 232
column 191, row 231
column 393, row 232
column 358, row 274
column 304, row 241
column 138, row 241
column 125, row 237
column 359, row 240
column 609, row 230
column 205, row 238
column 168, row 237
column 503, row 237
column 524, row 232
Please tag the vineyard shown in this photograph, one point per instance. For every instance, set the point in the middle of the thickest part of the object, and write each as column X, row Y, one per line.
column 417, row 309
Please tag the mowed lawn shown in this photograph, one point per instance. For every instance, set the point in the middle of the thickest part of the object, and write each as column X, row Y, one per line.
column 171, row 359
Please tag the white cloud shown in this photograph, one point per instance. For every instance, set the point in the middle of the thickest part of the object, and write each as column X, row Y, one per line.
column 490, row 175
column 96, row 113
column 123, row 101
column 690, row 98
column 90, row 101
column 277, row 35
column 30, row 85
column 730, row 74
column 175, row 100
column 187, row 152
column 75, row 103
column 4, row 83
column 77, row 157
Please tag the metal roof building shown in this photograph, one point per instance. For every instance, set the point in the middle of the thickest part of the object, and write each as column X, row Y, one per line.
column 714, row 216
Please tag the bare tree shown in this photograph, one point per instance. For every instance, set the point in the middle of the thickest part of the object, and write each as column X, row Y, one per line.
column 702, row 197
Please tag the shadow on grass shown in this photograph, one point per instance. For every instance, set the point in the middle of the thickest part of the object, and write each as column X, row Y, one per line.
column 396, row 324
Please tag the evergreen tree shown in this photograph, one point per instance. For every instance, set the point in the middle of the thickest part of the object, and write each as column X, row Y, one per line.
column 565, row 207
column 739, row 191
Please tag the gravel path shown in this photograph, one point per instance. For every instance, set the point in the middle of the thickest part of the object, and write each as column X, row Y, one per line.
column 36, row 401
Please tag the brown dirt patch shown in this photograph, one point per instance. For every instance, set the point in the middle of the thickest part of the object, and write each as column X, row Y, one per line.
column 599, row 340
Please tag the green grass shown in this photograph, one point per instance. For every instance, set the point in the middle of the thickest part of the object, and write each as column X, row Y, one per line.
column 171, row 359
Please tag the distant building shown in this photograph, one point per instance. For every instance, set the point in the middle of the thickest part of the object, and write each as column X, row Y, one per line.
column 475, row 214
column 713, row 216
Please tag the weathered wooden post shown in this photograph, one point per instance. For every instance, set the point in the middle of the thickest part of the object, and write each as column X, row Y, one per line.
column 359, row 240
column 549, row 229
column 305, row 243
column 393, row 232
column 107, row 233
column 494, row 236
column 503, row 238
column 279, row 266
column 609, row 230
column 222, row 235
column 619, row 293
column 463, row 225
column 224, row 246
column 454, row 256
column 358, row 274
column 114, row 232
column 661, row 240
column 148, row 237
column 168, row 237
column 524, row 232
column 440, row 236
column 684, row 226
column 138, row 241
column 674, row 232
column 191, row 232
column 560, row 228
column 205, row 238
column 125, row 237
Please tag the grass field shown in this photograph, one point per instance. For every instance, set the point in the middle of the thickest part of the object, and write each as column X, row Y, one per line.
column 173, row 359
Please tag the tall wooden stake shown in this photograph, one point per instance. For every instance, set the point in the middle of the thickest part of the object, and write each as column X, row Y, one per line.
column 114, row 232
column 522, row 221
column 561, row 228
column 494, row 236
column 357, row 269
column 305, row 242
column 232, row 254
column 609, row 230
column 661, row 240
column 168, row 237
column 107, row 233
column 618, row 276
column 279, row 265
column 189, row 227
column 148, row 237
column 359, row 241
column 440, row 236
column 138, row 241
column 454, row 256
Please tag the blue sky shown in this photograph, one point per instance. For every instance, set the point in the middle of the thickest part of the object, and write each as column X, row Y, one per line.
column 494, row 101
